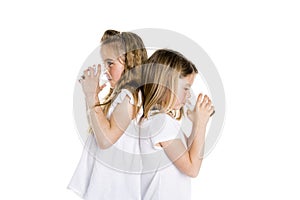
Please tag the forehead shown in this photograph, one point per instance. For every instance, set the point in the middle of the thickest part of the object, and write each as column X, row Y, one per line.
column 110, row 51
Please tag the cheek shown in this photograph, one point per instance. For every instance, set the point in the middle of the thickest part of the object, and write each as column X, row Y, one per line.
column 182, row 95
column 117, row 72
column 186, row 94
column 120, row 73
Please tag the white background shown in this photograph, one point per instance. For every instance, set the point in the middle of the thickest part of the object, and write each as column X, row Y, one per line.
column 255, row 46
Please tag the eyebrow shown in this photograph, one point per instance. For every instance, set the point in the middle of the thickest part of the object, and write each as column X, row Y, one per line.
column 108, row 59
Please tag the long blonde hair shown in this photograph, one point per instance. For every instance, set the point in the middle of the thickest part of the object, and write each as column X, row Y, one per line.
column 160, row 81
column 130, row 47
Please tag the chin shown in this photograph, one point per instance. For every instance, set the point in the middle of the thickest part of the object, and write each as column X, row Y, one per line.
column 112, row 84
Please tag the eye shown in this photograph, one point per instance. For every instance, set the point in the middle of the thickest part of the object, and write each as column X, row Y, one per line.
column 109, row 63
column 186, row 89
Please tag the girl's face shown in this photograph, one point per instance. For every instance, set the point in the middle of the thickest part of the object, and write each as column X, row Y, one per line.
column 183, row 90
column 113, row 63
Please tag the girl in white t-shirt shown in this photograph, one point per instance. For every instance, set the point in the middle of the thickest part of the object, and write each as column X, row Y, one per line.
column 169, row 157
column 110, row 163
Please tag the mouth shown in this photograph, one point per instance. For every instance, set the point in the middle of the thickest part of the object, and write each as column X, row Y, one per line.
column 108, row 77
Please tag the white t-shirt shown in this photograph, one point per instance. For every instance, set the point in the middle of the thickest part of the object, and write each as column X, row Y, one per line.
column 113, row 173
column 160, row 179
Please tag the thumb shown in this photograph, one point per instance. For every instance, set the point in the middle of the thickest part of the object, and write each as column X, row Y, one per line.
column 98, row 70
column 189, row 114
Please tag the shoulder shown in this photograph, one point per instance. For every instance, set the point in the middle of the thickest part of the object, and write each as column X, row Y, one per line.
column 165, row 120
column 161, row 127
column 124, row 97
column 124, row 94
column 160, row 119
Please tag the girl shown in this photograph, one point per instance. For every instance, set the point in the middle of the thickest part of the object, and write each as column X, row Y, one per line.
column 169, row 158
column 100, row 172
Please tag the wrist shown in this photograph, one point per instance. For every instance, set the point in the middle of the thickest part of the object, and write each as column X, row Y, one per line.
column 198, row 124
column 92, row 100
column 96, row 108
column 199, row 130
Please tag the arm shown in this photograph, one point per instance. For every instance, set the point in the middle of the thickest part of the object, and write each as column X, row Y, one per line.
column 189, row 161
column 108, row 131
column 97, row 101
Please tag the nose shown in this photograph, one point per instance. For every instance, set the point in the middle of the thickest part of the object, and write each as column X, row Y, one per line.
column 188, row 95
column 105, row 69
column 107, row 73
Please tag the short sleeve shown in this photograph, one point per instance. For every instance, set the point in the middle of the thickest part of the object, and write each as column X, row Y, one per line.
column 164, row 128
column 119, row 99
column 121, row 96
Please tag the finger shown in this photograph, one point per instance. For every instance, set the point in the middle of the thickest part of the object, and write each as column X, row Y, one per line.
column 206, row 98
column 208, row 105
column 92, row 71
column 86, row 72
column 199, row 100
column 203, row 103
column 189, row 114
column 98, row 70
column 212, row 111
column 93, row 68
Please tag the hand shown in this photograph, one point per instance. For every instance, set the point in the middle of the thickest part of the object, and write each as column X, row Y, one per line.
column 90, row 85
column 90, row 81
column 202, row 111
